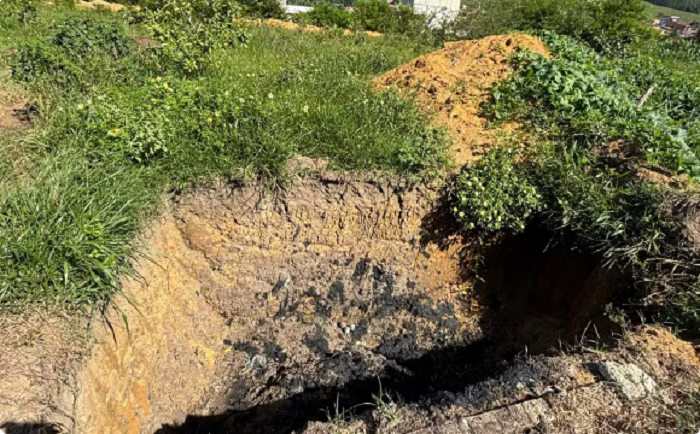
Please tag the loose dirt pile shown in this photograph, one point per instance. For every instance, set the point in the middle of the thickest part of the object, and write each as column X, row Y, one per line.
column 452, row 83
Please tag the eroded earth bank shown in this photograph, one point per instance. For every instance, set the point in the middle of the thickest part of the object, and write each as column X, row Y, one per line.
column 345, row 305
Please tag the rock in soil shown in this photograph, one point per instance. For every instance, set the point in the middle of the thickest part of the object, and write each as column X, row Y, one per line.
column 630, row 381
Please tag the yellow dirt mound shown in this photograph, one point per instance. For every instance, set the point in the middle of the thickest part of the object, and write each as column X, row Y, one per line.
column 453, row 82
column 114, row 7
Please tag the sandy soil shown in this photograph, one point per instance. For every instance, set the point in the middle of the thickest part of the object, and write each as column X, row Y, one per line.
column 452, row 83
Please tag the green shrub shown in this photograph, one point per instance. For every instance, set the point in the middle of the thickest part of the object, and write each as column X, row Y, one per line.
column 586, row 100
column 327, row 15
column 190, row 31
column 80, row 38
column 263, row 8
column 187, row 47
column 374, row 15
column 74, row 43
column 36, row 58
column 607, row 25
column 606, row 212
column 178, row 10
column 14, row 13
column 494, row 194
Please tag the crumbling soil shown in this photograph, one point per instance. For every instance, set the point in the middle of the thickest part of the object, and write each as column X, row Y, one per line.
column 152, row 369
column 41, row 353
column 452, row 83
column 235, row 323
column 261, row 312
column 287, row 272
column 556, row 394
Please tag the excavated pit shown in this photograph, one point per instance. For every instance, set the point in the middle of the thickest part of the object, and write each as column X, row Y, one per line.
column 235, row 322
column 285, row 272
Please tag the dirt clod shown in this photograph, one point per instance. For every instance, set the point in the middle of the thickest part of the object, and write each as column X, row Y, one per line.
column 14, row 116
column 453, row 82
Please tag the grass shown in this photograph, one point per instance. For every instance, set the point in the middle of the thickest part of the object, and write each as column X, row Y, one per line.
column 119, row 126
column 655, row 11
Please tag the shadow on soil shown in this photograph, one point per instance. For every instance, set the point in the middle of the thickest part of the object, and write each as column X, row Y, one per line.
column 29, row 428
column 535, row 295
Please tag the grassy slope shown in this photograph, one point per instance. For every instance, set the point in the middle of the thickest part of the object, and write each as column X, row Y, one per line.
column 655, row 10
column 90, row 178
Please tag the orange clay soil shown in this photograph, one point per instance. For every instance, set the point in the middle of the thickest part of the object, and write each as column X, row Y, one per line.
column 453, row 82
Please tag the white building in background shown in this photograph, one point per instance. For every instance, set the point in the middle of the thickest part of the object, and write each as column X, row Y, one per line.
column 441, row 10
column 433, row 6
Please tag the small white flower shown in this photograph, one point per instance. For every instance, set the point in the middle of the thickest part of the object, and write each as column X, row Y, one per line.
column 80, row 106
column 306, row 109
column 241, row 100
column 270, row 96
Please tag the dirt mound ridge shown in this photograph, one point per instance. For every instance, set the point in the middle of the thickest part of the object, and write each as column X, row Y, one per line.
column 454, row 81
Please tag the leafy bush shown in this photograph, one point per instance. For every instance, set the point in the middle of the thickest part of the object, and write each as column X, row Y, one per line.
column 327, row 15
column 494, row 194
column 17, row 12
column 74, row 42
column 263, row 8
column 178, row 10
column 190, row 31
column 583, row 99
column 608, row 25
column 374, row 15
column 83, row 37
column 36, row 58
column 605, row 211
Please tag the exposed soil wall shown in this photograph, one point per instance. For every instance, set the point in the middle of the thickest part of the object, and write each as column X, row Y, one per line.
column 262, row 313
column 155, row 371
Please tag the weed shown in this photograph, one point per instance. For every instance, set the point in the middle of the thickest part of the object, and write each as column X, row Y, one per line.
column 189, row 32
column 583, row 100
column 493, row 194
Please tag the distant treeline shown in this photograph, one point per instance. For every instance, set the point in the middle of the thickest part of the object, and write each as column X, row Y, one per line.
column 682, row 5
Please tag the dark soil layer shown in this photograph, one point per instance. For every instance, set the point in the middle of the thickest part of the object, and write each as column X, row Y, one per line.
column 334, row 292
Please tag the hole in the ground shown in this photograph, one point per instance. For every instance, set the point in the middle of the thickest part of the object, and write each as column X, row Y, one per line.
column 334, row 296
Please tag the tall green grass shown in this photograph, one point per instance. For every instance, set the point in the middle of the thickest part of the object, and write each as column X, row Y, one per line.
column 69, row 235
